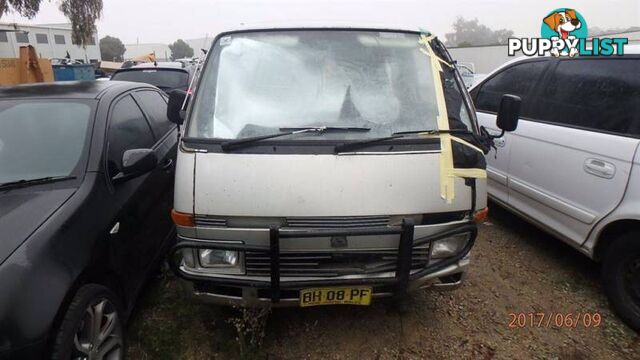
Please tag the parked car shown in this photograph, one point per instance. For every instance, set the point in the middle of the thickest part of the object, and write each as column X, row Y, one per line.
column 573, row 166
column 161, row 64
column 165, row 78
column 310, row 170
column 86, row 174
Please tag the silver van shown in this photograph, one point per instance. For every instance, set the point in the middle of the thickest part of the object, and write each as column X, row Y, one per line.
column 327, row 166
column 573, row 165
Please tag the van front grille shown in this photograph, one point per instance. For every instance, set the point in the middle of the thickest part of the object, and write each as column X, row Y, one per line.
column 338, row 222
column 333, row 263
column 202, row 220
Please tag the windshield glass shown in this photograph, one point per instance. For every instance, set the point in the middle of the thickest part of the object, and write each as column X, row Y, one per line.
column 41, row 138
column 258, row 82
column 167, row 79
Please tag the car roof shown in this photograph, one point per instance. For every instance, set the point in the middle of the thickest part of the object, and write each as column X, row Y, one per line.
column 162, row 68
column 68, row 89
column 167, row 64
column 628, row 50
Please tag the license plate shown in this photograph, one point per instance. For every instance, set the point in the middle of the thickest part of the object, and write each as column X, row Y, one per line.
column 359, row 295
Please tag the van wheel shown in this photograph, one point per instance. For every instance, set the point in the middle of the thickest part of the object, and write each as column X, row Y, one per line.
column 91, row 328
column 621, row 276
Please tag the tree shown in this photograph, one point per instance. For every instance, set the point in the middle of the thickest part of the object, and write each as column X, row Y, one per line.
column 82, row 14
column 180, row 49
column 472, row 33
column 111, row 48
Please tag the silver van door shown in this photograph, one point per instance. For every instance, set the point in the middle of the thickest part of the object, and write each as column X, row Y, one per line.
column 518, row 79
column 570, row 163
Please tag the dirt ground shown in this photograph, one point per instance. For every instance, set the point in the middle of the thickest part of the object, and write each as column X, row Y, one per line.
column 515, row 269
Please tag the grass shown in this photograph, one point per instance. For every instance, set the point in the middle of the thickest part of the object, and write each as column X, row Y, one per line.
column 168, row 325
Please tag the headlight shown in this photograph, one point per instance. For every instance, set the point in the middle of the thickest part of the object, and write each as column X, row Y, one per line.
column 449, row 246
column 210, row 261
column 218, row 258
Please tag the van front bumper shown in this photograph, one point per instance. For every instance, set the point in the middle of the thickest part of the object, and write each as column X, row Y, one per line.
column 449, row 278
column 278, row 289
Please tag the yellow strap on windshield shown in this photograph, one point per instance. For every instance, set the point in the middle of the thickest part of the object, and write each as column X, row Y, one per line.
column 447, row 171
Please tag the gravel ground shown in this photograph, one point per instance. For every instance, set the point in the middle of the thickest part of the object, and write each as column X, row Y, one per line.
column 515, row 269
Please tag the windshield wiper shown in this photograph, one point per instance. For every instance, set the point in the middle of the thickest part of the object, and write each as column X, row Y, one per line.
column 36, row 181
column 240, row 143
column 364, row 143
column 330, row 128
column 434, row 132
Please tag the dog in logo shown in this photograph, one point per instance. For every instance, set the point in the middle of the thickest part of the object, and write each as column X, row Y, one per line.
column 563, row 22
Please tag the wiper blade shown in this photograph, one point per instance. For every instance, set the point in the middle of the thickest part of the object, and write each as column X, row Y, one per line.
column 37, row 181
column 240, row 143
column 434, row 132
column 329, row 128
column 364, row 143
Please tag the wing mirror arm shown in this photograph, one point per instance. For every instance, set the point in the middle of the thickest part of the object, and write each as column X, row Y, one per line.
column 507, row 120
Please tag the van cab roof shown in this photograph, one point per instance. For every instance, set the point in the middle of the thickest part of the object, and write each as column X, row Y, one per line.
column 321, row 24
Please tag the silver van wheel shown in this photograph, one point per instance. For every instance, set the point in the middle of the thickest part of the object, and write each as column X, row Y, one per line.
column 99, row 333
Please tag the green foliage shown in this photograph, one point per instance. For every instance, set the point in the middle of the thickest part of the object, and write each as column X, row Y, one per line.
column 111, row 49
column 82, row 14
column 180, row 49
column 472, row 33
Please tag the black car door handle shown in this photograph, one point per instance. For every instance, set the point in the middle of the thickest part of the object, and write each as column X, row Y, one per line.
column 167, row 164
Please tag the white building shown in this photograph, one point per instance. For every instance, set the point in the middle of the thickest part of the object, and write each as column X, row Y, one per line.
column 49, row 40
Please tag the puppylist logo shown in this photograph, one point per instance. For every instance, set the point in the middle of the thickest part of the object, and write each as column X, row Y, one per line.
column 564, row 33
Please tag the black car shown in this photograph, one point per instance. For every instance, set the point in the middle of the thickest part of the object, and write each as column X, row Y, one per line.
column 165, row 78
column 86, row 186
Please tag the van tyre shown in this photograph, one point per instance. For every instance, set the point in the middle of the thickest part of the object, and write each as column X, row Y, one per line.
column 621, row 278
column 91, row 328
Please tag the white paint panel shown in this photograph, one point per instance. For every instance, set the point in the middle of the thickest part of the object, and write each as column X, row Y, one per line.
column 183, row 193
column 320, row 185
column 551, row 159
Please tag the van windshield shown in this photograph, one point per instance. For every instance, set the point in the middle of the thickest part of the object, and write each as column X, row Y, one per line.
column 258, row 82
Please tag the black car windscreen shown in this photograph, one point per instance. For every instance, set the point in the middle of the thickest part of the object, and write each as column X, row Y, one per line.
column 42, row 138
column 164, row 79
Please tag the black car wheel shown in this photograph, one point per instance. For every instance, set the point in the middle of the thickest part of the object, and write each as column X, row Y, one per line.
column 621, row 274
column 92, row 327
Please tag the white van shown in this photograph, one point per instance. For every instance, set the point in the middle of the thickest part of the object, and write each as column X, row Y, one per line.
column 573, row 166
column 327, row 165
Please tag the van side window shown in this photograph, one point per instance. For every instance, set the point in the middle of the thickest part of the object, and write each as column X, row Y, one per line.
column 128, row 129
column 155, row 106
column 598, row 94
column 515, row 80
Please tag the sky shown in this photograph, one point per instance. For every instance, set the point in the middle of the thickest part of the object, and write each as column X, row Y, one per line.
column 164, row 21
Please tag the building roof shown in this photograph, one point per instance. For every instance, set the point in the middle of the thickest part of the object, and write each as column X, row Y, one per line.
column 15, row 26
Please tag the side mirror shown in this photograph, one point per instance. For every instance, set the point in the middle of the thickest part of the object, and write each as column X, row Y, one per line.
column 138, row 161
column 509, row 112
column 175, row 113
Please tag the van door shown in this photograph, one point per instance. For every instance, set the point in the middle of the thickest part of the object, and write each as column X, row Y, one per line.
column 518, row 79
column 571, row 159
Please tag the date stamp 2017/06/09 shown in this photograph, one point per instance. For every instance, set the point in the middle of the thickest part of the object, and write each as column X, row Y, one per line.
column 557, row 320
